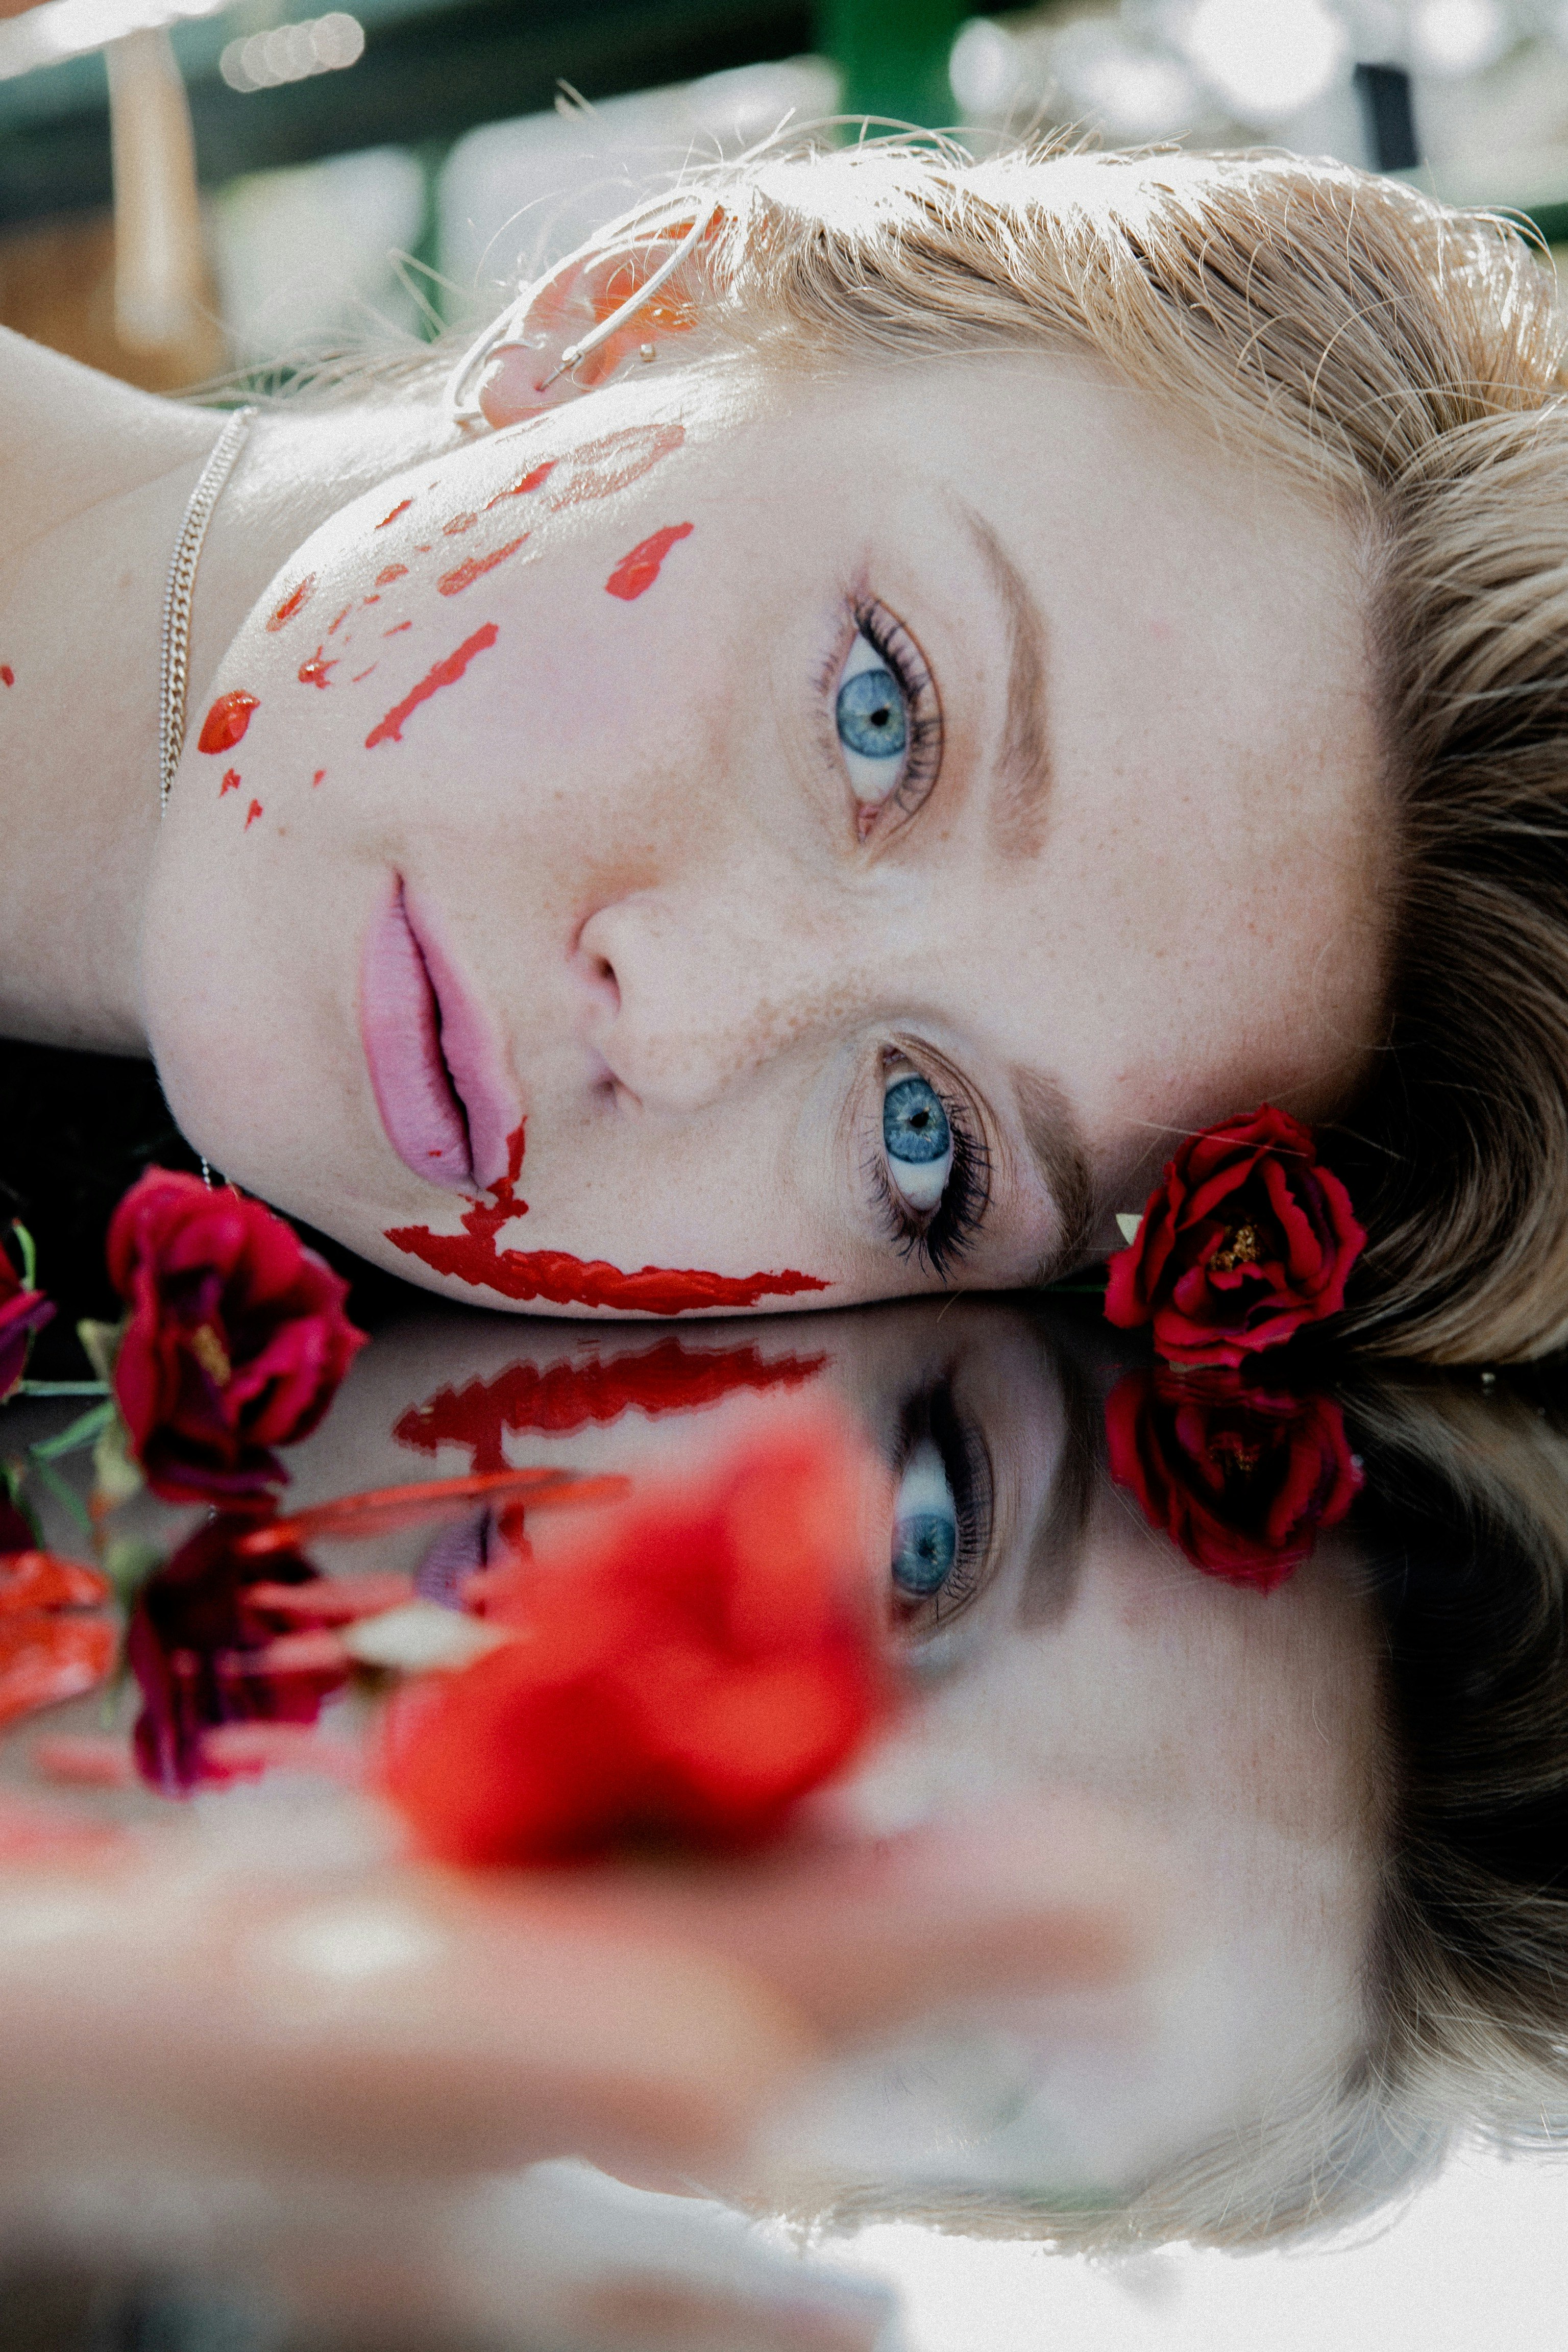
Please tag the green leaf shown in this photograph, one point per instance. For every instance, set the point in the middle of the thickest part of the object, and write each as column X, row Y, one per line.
column 63, row 1493
column 101, row 1345
column 83, row 1430
column 30, row 1255
column 128, row 1563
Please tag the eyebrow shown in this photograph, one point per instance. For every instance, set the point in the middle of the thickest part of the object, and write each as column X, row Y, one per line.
column 1024, row 768
column 1055, row 1143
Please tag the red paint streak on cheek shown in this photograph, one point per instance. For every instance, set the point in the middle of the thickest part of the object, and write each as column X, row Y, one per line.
column 599, row 468
column 333, row 627
column 474, row 567
column 360, row 674
column 7, row 675
column 666, row 1378
column 228, row 720
column 397, row 510
column 444, row 673
column 397, row 628
column 251, row 814
column 528, row 482
column 230, row 782
column 393, row 572
column 317, row 776
column 458, row 523
column 295, row 601
column 635, row 574
column 314, row 671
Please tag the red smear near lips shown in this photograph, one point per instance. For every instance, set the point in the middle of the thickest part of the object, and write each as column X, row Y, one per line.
column 563, row 1280
column 669, row 1377
column 635, row 572
column 463, row 575
column 293, row 602
column 228, row 720
column 444, row 673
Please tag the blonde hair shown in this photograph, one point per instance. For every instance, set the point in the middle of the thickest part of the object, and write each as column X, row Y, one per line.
column 1403, row 364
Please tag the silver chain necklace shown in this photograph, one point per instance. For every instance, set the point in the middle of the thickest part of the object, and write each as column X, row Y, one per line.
column 174, row 674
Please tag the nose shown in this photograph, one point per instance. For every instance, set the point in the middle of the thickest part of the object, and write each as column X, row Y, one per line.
column 687, row 1000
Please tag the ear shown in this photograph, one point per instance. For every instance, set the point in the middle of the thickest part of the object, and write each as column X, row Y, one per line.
column 569, row 304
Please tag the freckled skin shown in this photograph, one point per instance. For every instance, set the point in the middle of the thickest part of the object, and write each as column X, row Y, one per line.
column 634, row 824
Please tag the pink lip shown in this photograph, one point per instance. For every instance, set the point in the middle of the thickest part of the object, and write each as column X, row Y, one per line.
column 434, row 1067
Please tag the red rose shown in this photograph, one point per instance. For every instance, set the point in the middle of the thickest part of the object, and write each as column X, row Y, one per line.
column 236, row 1340
column 197, row 1645
column 22, row 1313
column 1245, row 1238
column 1239, row 1477
column 689, row 1674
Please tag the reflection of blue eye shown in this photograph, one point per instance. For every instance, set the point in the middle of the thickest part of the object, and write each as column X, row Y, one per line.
column 925, row 1524
column 871, row 719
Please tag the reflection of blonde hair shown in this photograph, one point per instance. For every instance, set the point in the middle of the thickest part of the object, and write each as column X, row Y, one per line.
column 1465, row 1543
column 1402, row 363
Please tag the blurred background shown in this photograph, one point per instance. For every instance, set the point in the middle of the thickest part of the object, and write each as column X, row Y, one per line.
column 188, row 186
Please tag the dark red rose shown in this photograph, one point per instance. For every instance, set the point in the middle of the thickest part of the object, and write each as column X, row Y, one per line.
column 235, row 1339
column 1245, row 1238
column 1241, row 1478
column 22, row 1313
column 199, row 1644
column 696, row 1669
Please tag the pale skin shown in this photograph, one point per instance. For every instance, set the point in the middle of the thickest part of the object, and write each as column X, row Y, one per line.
column 1139, row 892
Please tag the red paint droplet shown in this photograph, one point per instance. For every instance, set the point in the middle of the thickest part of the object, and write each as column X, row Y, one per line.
column 373, row 600
column 453, row 583
column 293, row 602
column 635, row 572
column 566, row 1281
column 397, row 510
column 7, row 675
column 528, row 482
column 230, row 782
column 360, row 674
column 422, row 551
column 393, row 572
column 251, row 814
column 333, row 627
column 444, row 673
column 314, row 671
column 459, row 522
column 319, row 774
column 397, row 628
column 228, row 720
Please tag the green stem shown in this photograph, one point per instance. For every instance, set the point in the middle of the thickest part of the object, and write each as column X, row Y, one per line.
column 30, row 1255
column 63, row 1388
column 86, row 1427
column 63, row 1493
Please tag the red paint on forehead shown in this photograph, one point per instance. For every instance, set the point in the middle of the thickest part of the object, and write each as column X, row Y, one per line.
column 228, row 720
column 612, row 463
column 314, row 671
column 230, row 782
column 251, row 814
column 473, row 567
column 669, row 1377
column 401, row 508
column 444, row 673
column 528, row 482
column 635, row 572
column 384, row 579
column 293, row 602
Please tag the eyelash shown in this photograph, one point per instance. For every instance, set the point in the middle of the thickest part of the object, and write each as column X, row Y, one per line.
column 922, row 759
column 941, row 1239
column 967, row 1464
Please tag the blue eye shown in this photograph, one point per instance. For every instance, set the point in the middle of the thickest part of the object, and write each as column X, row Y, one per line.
column 873, row 724
column 925, row 1524
column 918, row 1139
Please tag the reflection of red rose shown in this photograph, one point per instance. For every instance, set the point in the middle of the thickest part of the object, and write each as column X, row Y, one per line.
column 22, row 1313
column 689, row 1674
column 236, row 1341
column 1241, row 1478
column 197, row 1645
column 54, row 1644
column 1245, row 1238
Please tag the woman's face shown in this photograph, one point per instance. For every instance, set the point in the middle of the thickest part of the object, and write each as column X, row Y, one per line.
column 844, row 830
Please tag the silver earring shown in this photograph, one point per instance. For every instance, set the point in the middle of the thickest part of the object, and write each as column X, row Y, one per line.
column 646, row 351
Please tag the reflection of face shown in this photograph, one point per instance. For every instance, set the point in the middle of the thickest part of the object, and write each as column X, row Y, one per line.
column 967, row 788
column 1059, row 1650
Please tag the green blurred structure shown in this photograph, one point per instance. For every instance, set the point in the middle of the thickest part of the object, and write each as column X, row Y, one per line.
column 893, row 56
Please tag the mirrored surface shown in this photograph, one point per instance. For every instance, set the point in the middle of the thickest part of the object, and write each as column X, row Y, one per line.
column 1198, row 1897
